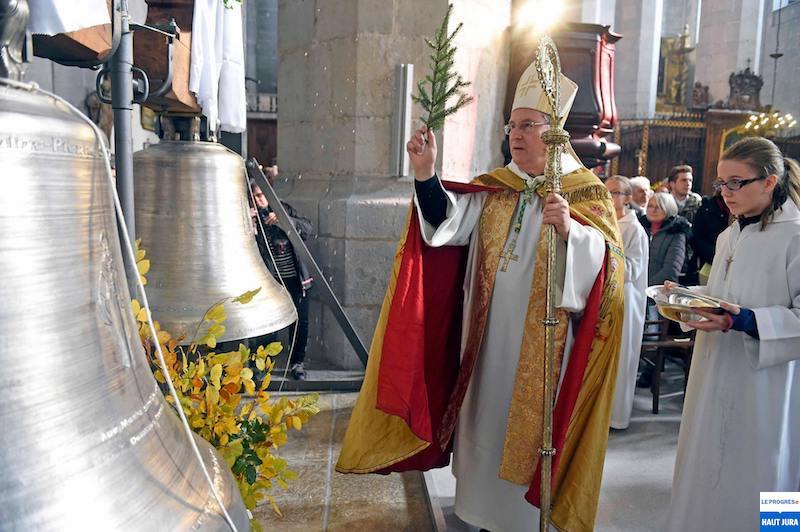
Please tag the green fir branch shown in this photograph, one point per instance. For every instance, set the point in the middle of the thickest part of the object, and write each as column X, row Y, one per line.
column 445, row 84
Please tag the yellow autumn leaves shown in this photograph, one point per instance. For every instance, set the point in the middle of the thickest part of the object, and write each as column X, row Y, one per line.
column 224, row 396
column 142, row 264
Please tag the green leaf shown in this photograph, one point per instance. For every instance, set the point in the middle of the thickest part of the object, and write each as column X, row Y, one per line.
column 250, row 474
column 232, row 453
column 244, row 351
column 239, row 466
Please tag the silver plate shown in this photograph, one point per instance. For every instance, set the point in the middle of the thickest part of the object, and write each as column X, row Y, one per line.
column 679, row 303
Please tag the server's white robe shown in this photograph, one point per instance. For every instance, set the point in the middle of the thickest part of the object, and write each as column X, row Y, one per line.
column 482, row 498
column 740, row 432
column 637, row 251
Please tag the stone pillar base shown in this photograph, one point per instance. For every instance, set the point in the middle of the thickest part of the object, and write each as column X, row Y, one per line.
column 358, row 223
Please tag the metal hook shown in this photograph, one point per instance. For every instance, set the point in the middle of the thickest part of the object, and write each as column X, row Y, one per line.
column 170, row 31
column 141, row 86
column 98, row 84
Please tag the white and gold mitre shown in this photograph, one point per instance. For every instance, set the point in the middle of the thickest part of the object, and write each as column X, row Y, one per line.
column 531, row 95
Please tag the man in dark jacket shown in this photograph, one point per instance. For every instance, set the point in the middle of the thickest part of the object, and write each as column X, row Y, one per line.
column 286, row 266
column 680, row 185
column 711, row 219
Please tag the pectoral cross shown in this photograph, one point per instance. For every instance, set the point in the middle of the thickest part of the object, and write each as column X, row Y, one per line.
column 508, row 256
column 728, row 265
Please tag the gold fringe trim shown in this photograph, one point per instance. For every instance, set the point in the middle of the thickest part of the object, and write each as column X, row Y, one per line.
column 590, row 193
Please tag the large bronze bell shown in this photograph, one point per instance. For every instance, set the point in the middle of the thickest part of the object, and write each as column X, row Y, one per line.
column 87, row 441
column 193, row 219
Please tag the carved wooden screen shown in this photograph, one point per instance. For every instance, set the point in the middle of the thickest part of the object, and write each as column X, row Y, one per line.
column 652, row 147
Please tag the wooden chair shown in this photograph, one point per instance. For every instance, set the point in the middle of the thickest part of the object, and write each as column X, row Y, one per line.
column 658, row 344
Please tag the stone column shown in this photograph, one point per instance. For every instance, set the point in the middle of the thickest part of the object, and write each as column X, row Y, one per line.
column 676, row 15
column 787, row 97
column 639, row 22
column 591, row 12
column 335, row 83
column 730, row 35
column 261, row 49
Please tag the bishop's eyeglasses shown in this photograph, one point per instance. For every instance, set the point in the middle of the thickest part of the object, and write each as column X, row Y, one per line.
column 526, row 127
column 733, row 184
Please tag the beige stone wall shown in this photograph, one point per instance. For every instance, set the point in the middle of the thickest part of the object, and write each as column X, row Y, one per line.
column 678, row 13
column 336, row 78
column 636, row 60
column 473, row 136
column 335, row 88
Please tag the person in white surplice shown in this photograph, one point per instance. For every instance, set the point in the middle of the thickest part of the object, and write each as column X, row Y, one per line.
column 636, row 257
column 740, row 432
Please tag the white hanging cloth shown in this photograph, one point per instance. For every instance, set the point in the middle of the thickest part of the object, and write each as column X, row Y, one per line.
column 232, row 95
column 49, row 17
column 217, row 69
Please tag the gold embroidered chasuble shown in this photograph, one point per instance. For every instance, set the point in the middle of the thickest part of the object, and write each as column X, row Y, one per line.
column 589, row 202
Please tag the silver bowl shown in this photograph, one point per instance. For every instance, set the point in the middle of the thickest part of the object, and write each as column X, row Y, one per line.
column 679, row 304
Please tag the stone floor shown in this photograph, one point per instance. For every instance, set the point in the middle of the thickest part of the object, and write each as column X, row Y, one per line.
column 637, row 475
column 321, row 499
column 634, row 495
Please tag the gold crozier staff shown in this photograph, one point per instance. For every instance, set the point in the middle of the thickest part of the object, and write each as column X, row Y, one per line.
column 548, row 67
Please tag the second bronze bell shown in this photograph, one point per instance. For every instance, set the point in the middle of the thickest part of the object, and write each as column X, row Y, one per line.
column 193, row 219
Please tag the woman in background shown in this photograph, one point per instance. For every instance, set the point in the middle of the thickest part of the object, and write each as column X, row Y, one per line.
column 668, row 233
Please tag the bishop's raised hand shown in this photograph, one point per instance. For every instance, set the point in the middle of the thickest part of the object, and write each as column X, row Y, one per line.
column 422, row 150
